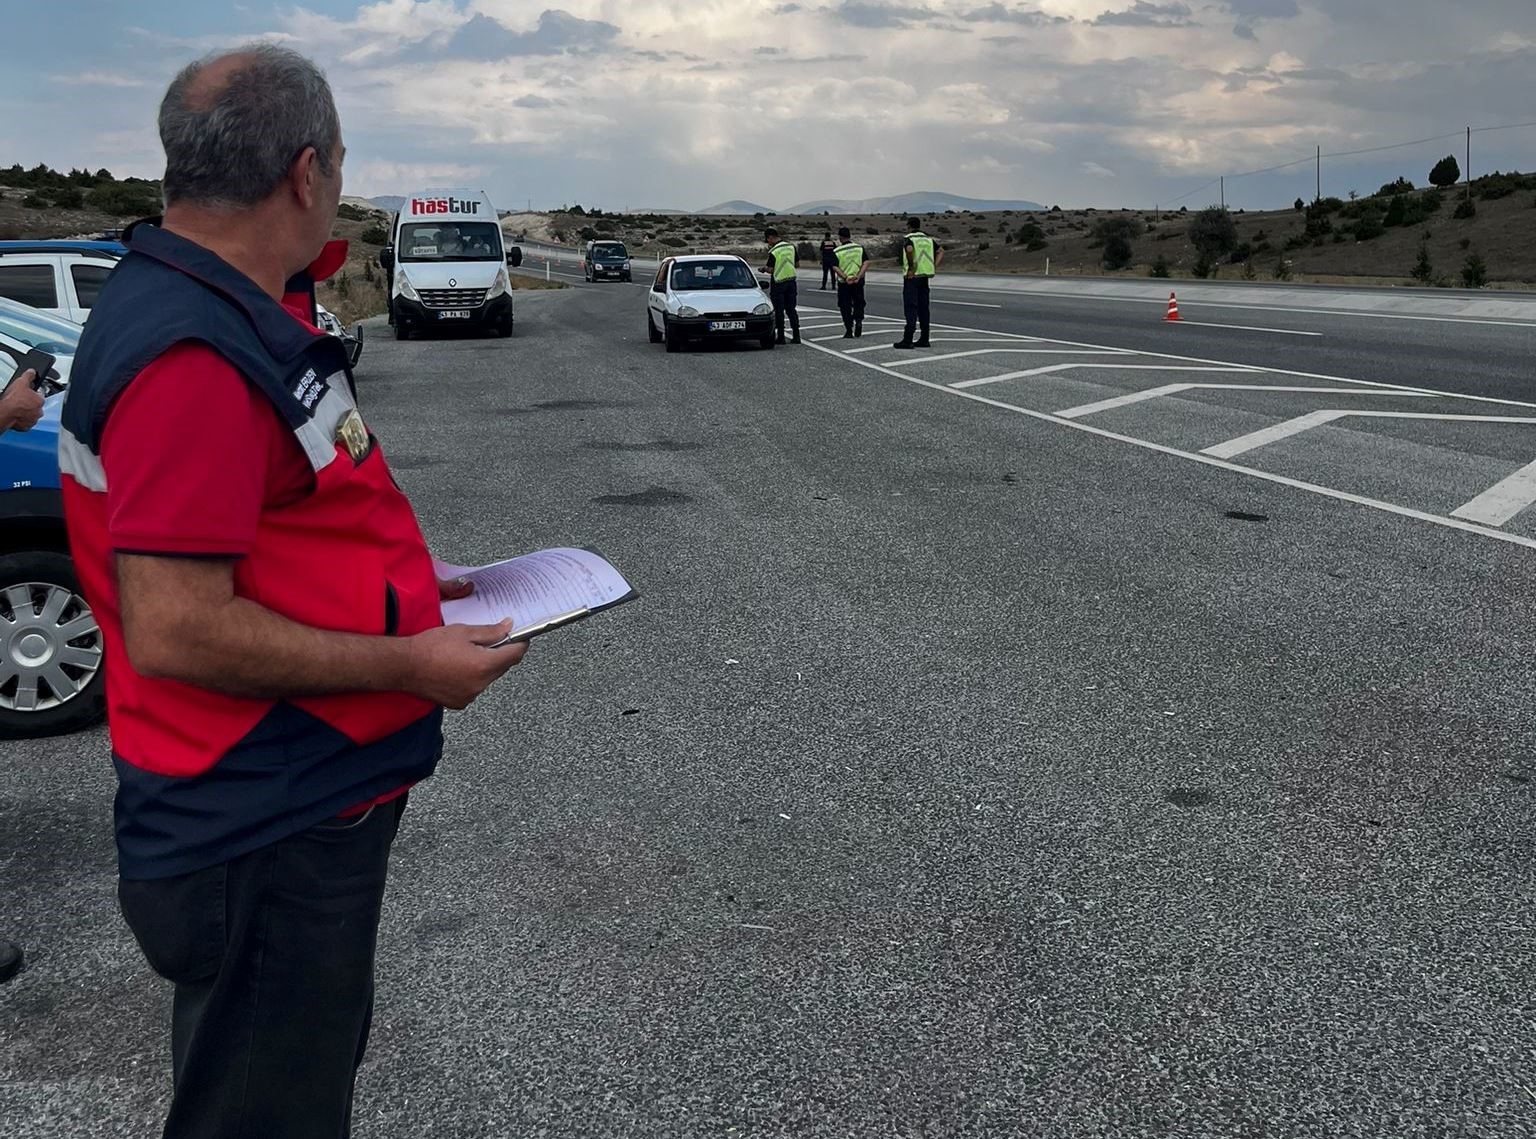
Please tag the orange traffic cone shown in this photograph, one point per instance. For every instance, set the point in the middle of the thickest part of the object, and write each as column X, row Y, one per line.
column 1173, row 308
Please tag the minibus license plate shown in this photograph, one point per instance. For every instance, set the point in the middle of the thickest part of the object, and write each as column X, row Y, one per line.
column 453, row 314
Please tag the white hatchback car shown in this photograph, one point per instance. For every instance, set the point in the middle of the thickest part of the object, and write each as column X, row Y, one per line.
column 707, row 297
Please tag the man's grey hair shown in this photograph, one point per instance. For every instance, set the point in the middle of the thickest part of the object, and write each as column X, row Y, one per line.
column 230, row 141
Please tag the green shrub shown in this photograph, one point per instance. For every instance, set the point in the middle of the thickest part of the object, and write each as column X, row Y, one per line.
column 375, row 234
column 673, row 242
column 69, row 199
column 1474, row 272
column 35, row 202
column 1036, row 245
column 1203, row 267
column 352, row 213
column 1213, row 233
column 1117, row 251
column 124, row 199
column 1161, row 268
column 1465, row 209
column 1401, row 186
column 1282, row 269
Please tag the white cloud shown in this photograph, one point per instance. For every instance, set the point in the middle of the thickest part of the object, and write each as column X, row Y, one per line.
column 1094, row 170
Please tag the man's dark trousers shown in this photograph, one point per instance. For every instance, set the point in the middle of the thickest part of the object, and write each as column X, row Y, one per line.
column 784, row 295
column 850, row 302
column 828, row 273
column 272, row 958
column 914, row 303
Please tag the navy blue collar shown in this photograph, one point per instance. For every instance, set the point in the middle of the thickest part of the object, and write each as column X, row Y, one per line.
column 283, row 336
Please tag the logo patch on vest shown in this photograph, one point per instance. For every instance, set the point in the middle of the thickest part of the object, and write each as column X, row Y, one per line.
column 309, row 389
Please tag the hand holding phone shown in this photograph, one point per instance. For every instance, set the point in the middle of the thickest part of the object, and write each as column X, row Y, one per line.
column 39, row 363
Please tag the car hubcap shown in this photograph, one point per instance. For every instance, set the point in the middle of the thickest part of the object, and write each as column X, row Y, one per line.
column 50, row 647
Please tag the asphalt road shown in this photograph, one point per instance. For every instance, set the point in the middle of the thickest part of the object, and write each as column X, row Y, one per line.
column 966, row 769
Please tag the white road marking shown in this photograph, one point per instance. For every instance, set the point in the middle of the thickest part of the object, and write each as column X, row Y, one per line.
column 1006, row 336
column 1502, row 501
column 1464, row 526
column 1025, row 294
column 1255, row 439
column 1175, row 389
column 968, row 304
column 906, row 361
column 1247, row 328
column 1071, row 364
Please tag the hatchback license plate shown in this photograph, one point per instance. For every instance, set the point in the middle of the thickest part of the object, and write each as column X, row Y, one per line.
column 727, row 326
column 454, row 314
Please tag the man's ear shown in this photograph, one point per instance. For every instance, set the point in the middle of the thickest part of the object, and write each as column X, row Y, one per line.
column 304, row 176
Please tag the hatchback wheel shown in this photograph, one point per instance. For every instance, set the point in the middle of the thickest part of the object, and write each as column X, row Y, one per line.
column 51, row 675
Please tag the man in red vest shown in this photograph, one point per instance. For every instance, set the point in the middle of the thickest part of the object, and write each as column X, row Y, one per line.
column 277, row 666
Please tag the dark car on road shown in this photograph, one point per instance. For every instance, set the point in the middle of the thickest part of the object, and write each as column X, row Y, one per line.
column 606, row 261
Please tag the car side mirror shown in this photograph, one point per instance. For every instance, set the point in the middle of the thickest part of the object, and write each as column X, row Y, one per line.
column 387, row 257
column 764, row 282
column 515, row 256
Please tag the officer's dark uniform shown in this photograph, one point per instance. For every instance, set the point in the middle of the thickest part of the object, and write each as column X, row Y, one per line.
column 919, row 254
column 785, row 290
column 850, row 293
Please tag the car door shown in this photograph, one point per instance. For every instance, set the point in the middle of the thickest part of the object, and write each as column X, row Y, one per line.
column 34, row 280
column 659, row 290
column 85, row 279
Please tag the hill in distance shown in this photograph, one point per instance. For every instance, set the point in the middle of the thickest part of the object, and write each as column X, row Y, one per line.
column 922, row 202
column 735, row 207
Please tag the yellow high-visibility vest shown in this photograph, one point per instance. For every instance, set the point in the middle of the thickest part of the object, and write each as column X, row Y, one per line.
column 922, row 255
column 783, row 255
column 850, row 259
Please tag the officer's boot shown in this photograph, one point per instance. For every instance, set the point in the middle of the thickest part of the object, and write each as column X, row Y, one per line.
column 923, row 341
column 847, row 330
column 858, row 328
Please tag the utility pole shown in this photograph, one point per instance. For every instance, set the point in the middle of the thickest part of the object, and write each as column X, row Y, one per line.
column 1319, row 173
column 1223, row 193
column 1469, row 164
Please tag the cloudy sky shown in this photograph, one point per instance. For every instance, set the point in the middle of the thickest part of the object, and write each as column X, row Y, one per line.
column 683, row 103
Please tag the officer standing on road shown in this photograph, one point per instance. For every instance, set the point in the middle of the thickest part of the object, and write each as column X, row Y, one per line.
column 784, row 292
column 828, row 258
column 20, row 409
column 851, row 267
column 920, row 260
column 279, row 662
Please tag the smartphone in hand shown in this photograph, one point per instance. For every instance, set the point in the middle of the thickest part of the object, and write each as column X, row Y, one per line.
column 41, row 363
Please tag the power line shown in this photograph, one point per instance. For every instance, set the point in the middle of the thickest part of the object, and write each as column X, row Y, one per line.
column 1348, row 154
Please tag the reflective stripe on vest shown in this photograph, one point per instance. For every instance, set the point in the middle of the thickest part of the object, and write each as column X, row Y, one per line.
column 922, row 254
column 850, row 259
column 783, row 255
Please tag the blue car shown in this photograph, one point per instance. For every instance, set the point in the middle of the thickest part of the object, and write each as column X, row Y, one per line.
column 51, row 675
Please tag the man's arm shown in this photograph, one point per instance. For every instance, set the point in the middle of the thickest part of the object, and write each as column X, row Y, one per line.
column 908, row 259
column 182, row 621
column 938, row 257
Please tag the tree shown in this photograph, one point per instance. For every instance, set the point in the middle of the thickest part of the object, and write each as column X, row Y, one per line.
column 1447, row 172
column 1117, row 251
column 1474, row 273
column 1160, row 267
column 1213, row 233
column 1423, row 269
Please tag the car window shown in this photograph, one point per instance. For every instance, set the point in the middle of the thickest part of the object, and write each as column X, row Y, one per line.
column 88, row 281
column 450, row 241
column 53, row 334
column 661, row 278
column 722, row 274
column 30, row 285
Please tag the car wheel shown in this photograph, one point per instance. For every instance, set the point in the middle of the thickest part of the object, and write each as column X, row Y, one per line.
column 402, row 331
column 51, row 664
column 650, row 328
column 670, row 334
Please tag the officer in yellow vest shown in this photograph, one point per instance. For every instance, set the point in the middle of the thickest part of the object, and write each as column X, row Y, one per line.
column 782, row 259
column 851, row 267
column 920, row 260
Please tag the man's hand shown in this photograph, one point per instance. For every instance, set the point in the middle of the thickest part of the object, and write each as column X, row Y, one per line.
column 455, row 589
column 453, row 665
column 21, row 407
